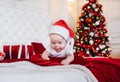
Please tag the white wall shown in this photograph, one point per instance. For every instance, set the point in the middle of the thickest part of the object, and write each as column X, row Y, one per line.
column 111, row 9
column 56, row 8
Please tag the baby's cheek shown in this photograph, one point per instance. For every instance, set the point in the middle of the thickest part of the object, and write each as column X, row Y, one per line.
column 52, row 46
column 63, row 46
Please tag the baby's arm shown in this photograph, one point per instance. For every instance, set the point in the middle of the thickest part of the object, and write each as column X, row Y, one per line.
column 45, row 55
column 68, row 59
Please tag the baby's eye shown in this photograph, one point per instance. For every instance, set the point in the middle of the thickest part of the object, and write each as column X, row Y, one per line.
column 53, row 42
column 60, row 42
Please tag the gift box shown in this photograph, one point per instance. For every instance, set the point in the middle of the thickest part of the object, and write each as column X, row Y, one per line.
column 18, row 51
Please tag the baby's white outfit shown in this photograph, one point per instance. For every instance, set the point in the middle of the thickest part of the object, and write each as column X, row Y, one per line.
column 63, row 53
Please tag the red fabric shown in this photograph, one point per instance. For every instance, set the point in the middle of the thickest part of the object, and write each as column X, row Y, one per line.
column 36, row 59
column 104, row 69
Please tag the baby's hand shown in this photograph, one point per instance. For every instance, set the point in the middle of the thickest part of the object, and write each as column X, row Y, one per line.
column 65, row 62
column 45, row 57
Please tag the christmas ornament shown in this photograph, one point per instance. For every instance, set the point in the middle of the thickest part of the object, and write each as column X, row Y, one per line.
column 97, row 22
column 87, row 52
column 96, row 9
column 88, row 20
column 88, row 7
column 102, row 46
column 93, row 5
column 91, row 33
column 2, row 55
column 85, row 28
column 91, row 42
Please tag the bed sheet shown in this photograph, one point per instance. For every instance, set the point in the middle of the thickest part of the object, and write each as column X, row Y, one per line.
column 25, row 71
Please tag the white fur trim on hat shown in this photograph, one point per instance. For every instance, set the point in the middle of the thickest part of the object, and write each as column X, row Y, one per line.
column 61, row 31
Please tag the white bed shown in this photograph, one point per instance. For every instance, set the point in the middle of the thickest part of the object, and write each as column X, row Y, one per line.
column 25, row 71
column 23, row 27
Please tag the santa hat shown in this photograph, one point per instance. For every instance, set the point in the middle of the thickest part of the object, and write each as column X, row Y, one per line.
column 60, row 27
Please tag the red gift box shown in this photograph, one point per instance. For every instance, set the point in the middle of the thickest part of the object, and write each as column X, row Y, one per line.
column 18, row 51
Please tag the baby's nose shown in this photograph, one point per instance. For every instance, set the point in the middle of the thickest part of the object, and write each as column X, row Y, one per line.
column 56, row 45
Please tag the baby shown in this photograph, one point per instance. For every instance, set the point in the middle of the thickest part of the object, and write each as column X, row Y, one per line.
column 61, row 43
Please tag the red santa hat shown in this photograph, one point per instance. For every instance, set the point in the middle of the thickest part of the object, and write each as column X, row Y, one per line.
column 60, row 27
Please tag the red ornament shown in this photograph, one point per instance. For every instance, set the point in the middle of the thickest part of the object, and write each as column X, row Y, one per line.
column 96, row 35
column 82, row 15
column 93, row 13
column 89, row 20
column 101, row 35
column 2, row 55
column 93, row 1
column 88, row 46
column 98, row 41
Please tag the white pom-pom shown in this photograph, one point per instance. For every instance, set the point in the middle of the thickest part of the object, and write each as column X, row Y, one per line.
column 93, row 5
column 88, row 7
column 97, row 22
column 90, row 14
column 91, row 42
column 96, row 9
column 97, row 48
column 87, row 52
column 102, row 46
column 81, row 41
column 82, row 19
column 85, row 28
column 91, row 33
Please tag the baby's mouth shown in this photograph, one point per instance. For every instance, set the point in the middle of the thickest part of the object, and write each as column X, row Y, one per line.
column 57, row 50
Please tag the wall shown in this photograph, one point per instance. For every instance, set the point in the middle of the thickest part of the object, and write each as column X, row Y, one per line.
column 56, row 8
column 113, row 20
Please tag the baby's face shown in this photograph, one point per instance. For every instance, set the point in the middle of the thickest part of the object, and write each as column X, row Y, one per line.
column 58, row 43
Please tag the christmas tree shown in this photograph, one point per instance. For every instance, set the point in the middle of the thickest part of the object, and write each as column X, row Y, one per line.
column 91, row 37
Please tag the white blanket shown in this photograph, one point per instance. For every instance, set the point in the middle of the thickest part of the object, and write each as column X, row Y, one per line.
column 25, row 71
